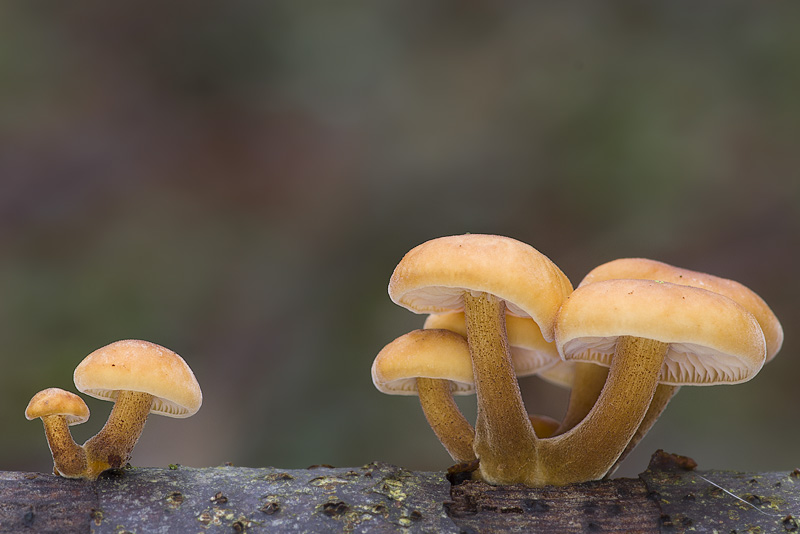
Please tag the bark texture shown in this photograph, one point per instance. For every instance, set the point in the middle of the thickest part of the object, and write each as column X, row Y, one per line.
column 671, row 496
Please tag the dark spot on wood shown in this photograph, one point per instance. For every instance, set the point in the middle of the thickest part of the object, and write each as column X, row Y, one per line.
column 335, row 508
column 175, row 498
column 271, row 507
column 535, row 506
column 318, row 466
column 461, row 472
column 653, row 496
column 238, row 526
column 28, row 517
column 615, row 509
column 790, row 524
column 689, row 497
column 795, row 473
column 415, row 515
column 511, row 510
column 665, row 520
column 219, row 498
column 275, row 477
column 753, row 499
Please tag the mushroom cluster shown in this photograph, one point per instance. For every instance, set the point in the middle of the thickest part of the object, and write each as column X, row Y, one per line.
column 140, row 378
column 625, row 340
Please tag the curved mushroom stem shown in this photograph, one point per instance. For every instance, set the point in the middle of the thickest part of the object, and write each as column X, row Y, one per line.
column 504, row 437
column 112, row 446
column 590, row 449
column 69, row 458
column 446, row 420
column 661, row 398
column 586, row 387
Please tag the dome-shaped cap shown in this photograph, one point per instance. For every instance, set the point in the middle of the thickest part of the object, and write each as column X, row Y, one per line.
column 135, row 365
column 438, row 354
column 56, row 401
column 433, row 277
column 530, row 353
column 645, row 269
column 712, row 339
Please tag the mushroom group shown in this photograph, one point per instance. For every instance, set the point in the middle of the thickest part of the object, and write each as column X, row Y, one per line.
column 625, row 340
column 140, row 378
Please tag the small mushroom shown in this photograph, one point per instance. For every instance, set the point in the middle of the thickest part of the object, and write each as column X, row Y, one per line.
column 140, row 378
column 646, row 269
column 646, row 332
column 435, row 365
column 487, row 276
column 59, row 409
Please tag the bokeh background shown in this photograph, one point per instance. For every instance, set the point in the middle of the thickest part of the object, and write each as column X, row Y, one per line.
column 237, row 181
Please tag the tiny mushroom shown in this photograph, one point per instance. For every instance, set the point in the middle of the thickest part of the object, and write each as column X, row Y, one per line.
column 487, row 276
column 139, row 377
column 59, row 409
column 646, row 332
column 435, row 365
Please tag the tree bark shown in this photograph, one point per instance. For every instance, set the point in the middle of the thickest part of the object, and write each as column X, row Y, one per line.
column 670, row 496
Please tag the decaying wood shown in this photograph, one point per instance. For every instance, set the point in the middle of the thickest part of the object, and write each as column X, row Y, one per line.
column 669, row 497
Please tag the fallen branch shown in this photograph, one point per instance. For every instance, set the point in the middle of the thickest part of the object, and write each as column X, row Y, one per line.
column 669, row 497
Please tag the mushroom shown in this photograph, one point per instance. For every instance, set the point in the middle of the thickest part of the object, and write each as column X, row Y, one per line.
column 435, row 365
column 487, row 276
column 646, row 269
column 140, row 378
column 646, row 332
column 59, row 409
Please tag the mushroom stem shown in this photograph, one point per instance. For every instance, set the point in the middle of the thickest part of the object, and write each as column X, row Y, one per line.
column 504, row 437
column 112, row 446
column 586, row 387
column 446, row 420
column 661, row 398
column 69, row 458
column 590, row 449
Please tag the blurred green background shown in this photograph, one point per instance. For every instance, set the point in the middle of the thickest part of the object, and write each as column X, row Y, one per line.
column 236, row 181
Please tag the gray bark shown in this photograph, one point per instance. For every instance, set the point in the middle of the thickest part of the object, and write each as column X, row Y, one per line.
column 669, row 497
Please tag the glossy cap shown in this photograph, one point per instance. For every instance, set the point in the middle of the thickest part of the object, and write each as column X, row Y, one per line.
column 713, row 340
column 56, row 401
column 433, row 277
column 642, row 268
column 423, row 354
column 135, row 365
